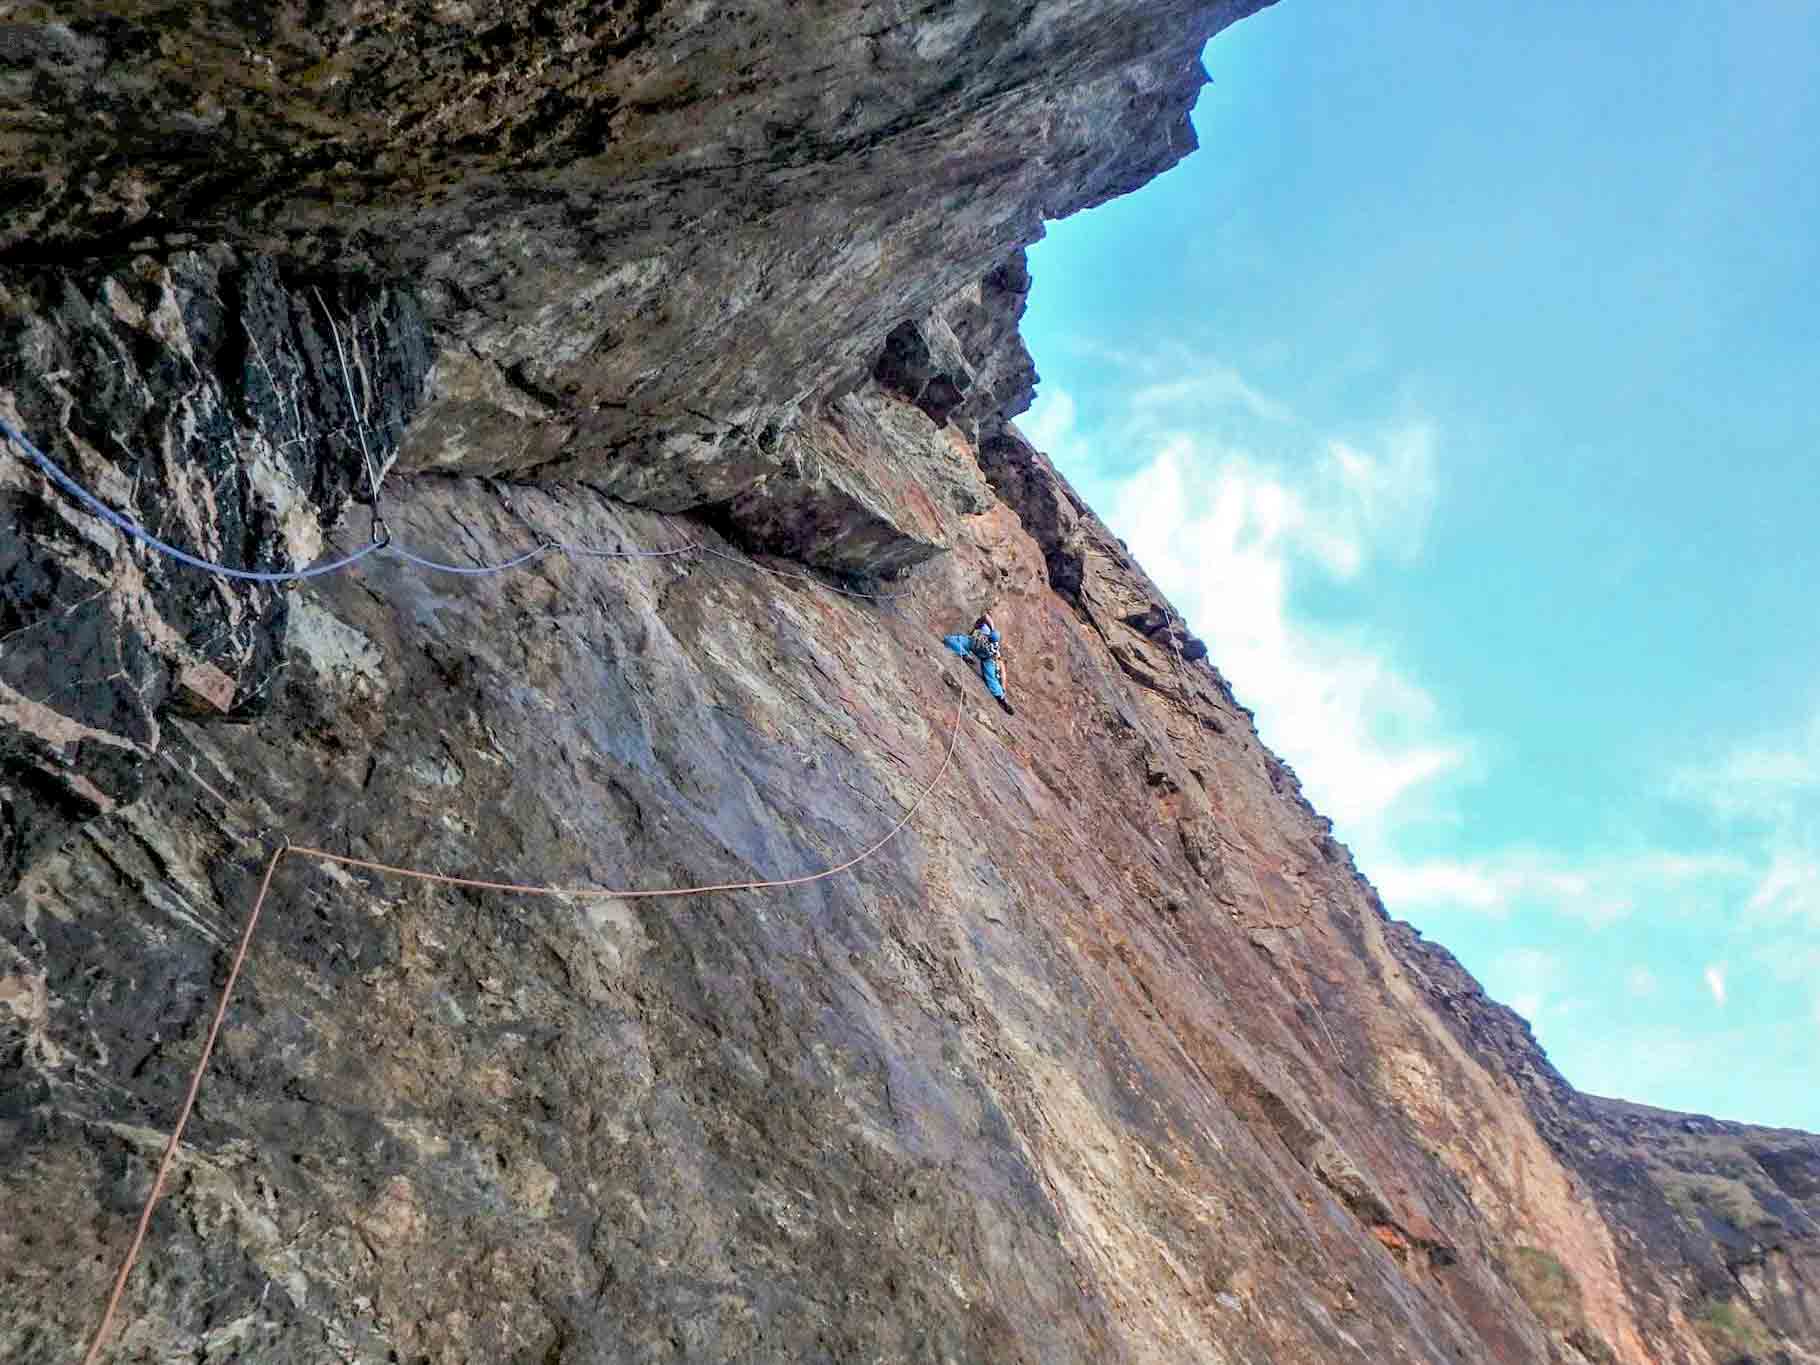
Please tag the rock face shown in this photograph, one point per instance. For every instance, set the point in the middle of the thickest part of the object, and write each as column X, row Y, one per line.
column 1718, row 1224
column 648, row 233
column 1110, row 1055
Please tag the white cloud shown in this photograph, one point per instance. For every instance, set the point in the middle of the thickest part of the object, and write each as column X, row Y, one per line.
column 1439, row 882
column 1767, row 791
column 1226, row 536
column 1794, row 962
column 1229, row 533
column 1530, row 977
column 1765, row 782
column 1391, row 495
column 1714, row 977
column 1790, row 888
column 1236, row 507
column 1672, row 869
column 1673, row 1065
column 1180, row 378
column 1050, row 425
column 1488, row 884
column 1791, row 960
column 1599, row 889
column 1212, row 385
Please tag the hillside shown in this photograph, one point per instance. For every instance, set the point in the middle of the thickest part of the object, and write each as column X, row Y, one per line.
column 708, row 317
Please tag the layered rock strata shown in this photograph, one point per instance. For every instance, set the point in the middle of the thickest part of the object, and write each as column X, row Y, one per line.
column 1112, row 1055
column 648, row 234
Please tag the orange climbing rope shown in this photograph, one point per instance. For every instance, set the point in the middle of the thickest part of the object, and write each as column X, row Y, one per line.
column 183, row 1117
column 514, row 888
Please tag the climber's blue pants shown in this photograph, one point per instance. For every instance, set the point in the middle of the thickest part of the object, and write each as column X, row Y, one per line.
column 963, row 646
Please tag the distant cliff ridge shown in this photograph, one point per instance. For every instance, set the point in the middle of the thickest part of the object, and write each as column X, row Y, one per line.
column 1110, row 1055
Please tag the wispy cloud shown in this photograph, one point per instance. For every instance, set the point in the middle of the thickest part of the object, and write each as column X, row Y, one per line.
column 1789, row 959
column 1233, row 502
column 1714, row 976
column 1597, row 888
column 1790, row 887
column 1530, row 978
column 1247, row 514
column 1441, row 882
column 1050, row 426
column 1208, row 384
column 1764, row 782
column 1766, row 793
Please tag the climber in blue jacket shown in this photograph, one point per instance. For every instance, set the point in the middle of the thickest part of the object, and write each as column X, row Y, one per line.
column 982, row 644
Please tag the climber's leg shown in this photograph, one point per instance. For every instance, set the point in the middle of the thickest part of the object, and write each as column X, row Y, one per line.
column 993, row 685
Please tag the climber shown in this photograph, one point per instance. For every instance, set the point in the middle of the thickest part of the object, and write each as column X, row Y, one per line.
column 982, row 644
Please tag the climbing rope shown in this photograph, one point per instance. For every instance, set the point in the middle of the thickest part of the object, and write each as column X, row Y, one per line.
column 474, row 570
column 686, row 549
column 183, row 1118
column 381, row 542
column 287, row 849
column 138, row 532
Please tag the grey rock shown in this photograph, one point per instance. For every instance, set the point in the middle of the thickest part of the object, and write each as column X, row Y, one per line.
column 204, row 398
column 610, row 208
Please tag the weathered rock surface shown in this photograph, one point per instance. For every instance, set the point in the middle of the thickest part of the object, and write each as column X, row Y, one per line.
column 206, row 397
column 1111, row 1055
column 610, row 210
column 1717, row 1224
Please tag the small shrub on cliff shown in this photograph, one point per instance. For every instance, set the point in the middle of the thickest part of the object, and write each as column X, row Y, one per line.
column 1718, row 1196
column 1553, row 1295
column 1731, row 1331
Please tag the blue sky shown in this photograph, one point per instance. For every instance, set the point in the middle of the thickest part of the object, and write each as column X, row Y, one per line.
column 1464, row 391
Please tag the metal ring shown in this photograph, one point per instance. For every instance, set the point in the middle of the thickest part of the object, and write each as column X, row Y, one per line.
column 381, row 533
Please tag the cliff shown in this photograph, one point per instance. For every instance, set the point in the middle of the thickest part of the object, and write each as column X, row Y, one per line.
column 1110, row 1054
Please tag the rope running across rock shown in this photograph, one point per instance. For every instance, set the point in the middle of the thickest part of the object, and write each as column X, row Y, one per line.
column 382, row 544
column 419, row 874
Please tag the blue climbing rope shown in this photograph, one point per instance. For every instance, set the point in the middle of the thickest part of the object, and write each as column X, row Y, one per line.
column 139, row 533
column 382, row 544
column 471, row 571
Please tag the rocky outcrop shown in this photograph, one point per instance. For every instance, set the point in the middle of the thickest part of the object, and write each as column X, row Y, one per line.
column 605, row 213
column 608, row 210
column 1018, row 1089
column 966, row 363
column 205, row 396
column 1110, row 1055
column 1718, row 1224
